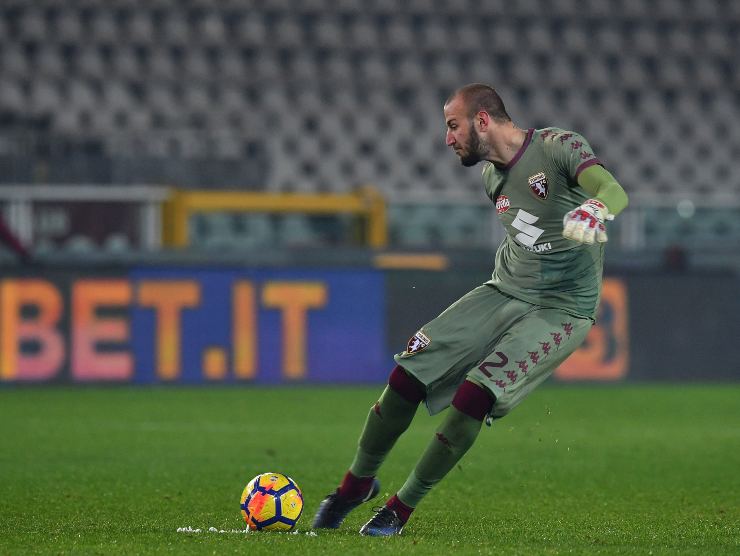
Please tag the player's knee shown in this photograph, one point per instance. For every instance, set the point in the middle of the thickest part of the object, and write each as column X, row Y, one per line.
column 406, row 386
column 473, row 400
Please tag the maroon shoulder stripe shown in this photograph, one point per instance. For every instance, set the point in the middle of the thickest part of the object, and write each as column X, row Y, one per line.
column 587, row 164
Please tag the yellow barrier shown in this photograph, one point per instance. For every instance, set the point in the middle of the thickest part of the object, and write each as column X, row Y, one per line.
column 365, row 202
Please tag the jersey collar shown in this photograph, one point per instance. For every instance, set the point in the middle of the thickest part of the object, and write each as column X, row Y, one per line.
column 521, row 150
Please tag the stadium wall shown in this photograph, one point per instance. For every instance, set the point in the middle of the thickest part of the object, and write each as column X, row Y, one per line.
column 201, row 324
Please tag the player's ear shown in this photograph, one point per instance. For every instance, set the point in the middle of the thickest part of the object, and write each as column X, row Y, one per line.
column 482, row 120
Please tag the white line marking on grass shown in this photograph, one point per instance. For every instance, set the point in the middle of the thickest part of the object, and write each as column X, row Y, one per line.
column 246, row 531
column 198, row 530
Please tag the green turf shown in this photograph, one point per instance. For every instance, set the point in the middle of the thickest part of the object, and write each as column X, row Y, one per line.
column 575, row 469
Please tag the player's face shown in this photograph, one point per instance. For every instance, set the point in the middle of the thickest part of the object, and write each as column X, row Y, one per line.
column 461, row 134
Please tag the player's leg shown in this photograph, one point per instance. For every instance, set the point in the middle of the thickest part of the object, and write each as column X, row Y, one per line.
column 522, row 358
column 443, row 359
column 441, row 352
column 452, row 440
column 388, row 418
column 436, row 357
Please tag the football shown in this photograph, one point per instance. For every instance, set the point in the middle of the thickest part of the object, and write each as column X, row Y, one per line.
column 272, row 502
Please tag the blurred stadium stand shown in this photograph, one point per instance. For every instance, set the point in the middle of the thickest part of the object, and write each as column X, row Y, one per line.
column 326, row 95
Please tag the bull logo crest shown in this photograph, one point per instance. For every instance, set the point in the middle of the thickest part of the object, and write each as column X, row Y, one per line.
column 538, row 185
column 417, row 343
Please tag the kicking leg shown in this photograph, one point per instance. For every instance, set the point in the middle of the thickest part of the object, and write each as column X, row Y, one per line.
column 389, row 417
column 455, row 436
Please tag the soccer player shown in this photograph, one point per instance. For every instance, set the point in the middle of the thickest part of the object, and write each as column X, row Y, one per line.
column 487, row 351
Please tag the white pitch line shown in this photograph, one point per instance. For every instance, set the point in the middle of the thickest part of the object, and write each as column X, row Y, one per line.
column 246, row 531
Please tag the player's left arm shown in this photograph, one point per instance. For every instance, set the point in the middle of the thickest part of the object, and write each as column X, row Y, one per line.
column 598, row 182
column 585, row 224
column 575, row 157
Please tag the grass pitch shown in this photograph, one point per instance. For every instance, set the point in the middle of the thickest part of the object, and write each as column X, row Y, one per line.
column 575, row 469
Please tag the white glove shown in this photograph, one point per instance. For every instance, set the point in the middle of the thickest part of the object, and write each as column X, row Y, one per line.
column 586, row 223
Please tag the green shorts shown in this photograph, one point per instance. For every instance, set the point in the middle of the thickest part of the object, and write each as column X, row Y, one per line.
column 506, row 345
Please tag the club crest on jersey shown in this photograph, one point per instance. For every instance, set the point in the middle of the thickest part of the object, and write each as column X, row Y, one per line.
column 502, row 204
column 418, row 342
column 538, row 185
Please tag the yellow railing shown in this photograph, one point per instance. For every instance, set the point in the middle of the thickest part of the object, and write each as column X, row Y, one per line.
column 366, row 202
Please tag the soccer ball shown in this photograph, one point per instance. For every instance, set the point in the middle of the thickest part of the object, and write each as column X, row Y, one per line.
column 272, row 502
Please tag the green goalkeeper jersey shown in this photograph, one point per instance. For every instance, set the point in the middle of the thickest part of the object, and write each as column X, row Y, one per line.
column 532, row 194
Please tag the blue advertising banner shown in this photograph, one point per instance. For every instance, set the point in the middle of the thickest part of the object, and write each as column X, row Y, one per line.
column 265, row 326
column 213, row 325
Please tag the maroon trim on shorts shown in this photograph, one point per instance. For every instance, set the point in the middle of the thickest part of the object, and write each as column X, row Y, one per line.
column 521, row 150
column 585, row 165
column 473, row 400
column 407, row 387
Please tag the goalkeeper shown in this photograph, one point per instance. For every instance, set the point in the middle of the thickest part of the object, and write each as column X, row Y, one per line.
column 492, row 347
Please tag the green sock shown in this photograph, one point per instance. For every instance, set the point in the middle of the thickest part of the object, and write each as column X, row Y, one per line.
column 455, row 436
column 388, row 418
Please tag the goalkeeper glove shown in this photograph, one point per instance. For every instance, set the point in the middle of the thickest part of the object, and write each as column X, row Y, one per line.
column 586, row 223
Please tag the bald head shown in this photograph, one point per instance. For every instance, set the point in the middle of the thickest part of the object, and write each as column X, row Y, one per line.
column 478, row 97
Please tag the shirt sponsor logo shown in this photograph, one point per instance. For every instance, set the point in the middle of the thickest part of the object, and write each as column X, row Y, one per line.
column 540, row 247
column 502, row 204
column 528, row 233
column 538, row 185
column 417, row 343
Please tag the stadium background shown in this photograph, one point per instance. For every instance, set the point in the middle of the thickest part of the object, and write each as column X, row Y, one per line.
column 238, row 210
column 260, row 191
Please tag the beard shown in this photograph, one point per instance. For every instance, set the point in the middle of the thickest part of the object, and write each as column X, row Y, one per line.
column 475, row 150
